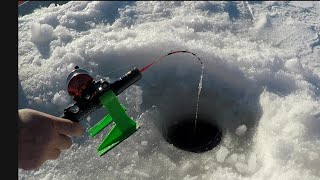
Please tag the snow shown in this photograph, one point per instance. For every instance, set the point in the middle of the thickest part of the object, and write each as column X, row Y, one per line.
column 261, row 84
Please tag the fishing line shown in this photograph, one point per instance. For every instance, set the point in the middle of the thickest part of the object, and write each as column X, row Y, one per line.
column 162, row 57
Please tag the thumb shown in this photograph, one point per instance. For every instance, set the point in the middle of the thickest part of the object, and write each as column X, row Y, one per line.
column 67, row 127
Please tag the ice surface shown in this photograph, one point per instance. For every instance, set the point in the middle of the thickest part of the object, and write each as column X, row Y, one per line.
column 262, row 71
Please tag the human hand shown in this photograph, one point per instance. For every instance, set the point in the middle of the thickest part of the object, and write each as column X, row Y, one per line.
column 42, row 136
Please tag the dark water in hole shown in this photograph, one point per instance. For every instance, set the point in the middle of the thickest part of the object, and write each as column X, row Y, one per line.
column 184, row 135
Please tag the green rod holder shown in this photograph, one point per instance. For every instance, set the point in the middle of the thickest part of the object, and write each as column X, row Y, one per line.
column 123, row 126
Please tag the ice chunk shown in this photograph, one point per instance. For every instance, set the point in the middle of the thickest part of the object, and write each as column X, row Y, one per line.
column 61, row 98
column 41, row 33
column 262, row 22
column 241, row 167
column 294, row 65
column 232, row 159
column 241, row 130
column 252, row 163
column 144, row 143
column 221, row 154
column 242, row 158
column 38, row 100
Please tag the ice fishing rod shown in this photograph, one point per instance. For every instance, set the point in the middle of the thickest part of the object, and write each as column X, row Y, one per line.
column 90, row 95
column 20, row 3
column 86, row 91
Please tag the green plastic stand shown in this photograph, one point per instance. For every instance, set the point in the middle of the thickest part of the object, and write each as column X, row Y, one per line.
column 123, row 128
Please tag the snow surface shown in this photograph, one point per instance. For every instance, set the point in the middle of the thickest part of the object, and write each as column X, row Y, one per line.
column 262, row 72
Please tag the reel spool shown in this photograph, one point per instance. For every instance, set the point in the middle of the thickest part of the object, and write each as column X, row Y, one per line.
column 77, row 82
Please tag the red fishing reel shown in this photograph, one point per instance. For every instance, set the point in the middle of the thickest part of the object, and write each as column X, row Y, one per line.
column 78, row 81
column 86, row 91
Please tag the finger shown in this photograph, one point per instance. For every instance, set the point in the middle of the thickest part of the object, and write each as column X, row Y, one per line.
column 67, row 127
column 53, row 154
column 63, row 142
column 32, row 164
column 37, row 163
column 63, row 126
